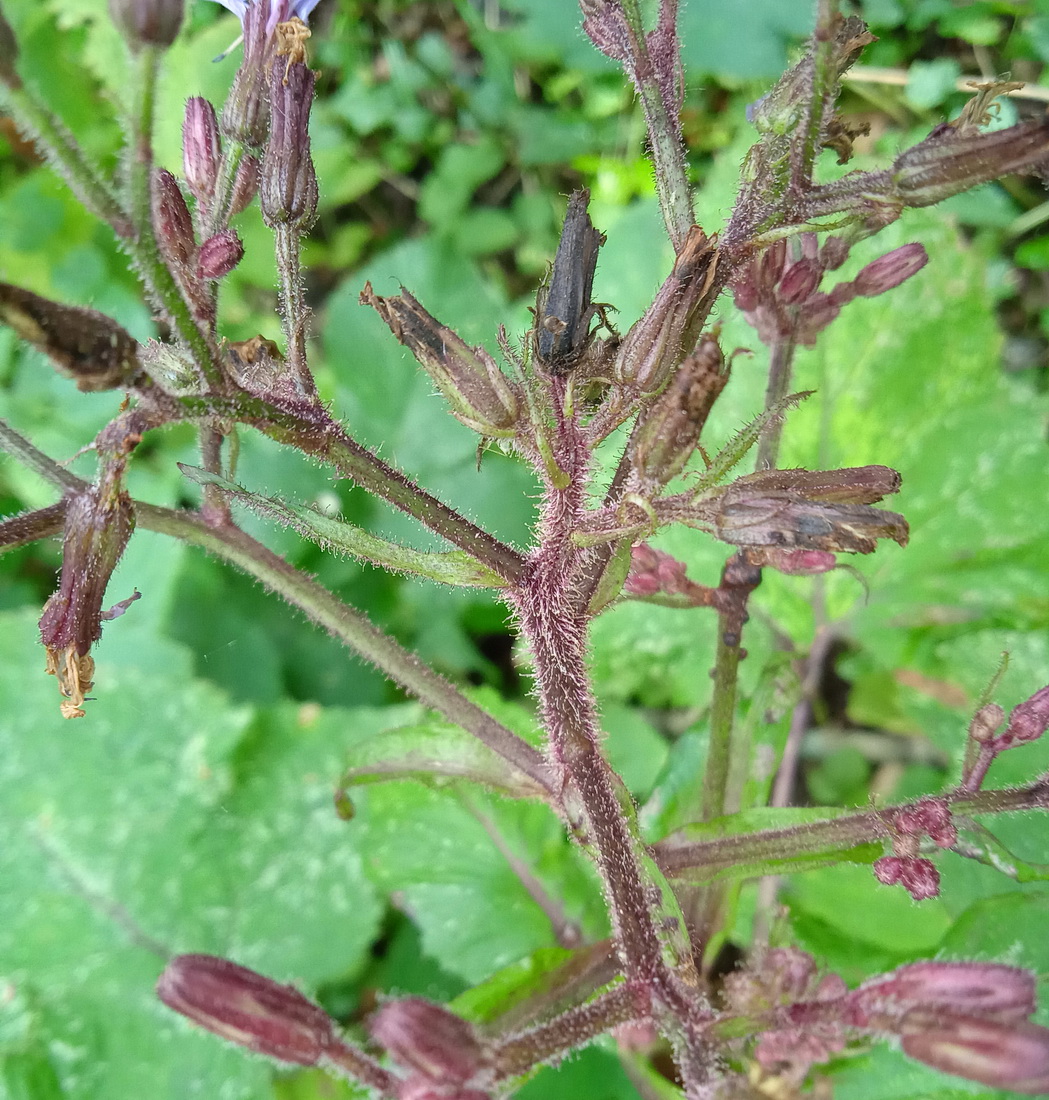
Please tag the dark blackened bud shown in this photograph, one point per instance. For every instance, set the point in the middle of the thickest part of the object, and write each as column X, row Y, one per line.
column 425, row 1037
column 246, row 115
column 479, row 394
column 219, row 255
column 950, row 160
column 87, row 346
column 670, row 433
column 172, row 222
column 656, row 344
column 1028, row 721
column 201, row 149
column 8, row 55
column 288, row 182
column 247, row 1008
column 147, row 22
column 1012, row 1056
column 245, row 185
column 890, row 270
column 98, row 525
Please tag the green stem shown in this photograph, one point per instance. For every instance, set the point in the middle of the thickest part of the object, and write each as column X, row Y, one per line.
column 722, row 714
column 781, row 369
column 66, row 157
column 294, row 313
column 664, row 131
column 220, row 210
column 321, row 436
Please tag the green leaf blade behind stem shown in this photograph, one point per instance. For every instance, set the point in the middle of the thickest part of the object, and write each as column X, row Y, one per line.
column 168, row 821
column 452, row 567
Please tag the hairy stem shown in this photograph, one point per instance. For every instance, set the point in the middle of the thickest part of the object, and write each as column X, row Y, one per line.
column 294, row 313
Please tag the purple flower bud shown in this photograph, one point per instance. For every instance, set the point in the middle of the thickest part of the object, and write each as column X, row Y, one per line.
column 287, row 180
column 439, row 1045
column 920, row 879
column 246, row 115
column 98, row 525
column 795, row 563
column 1012, row 1055
column 653, row 571
column 201, row 149
column 888, row 870
column 219, row 255
column 972, row 988
column 245, row 185
column 247, row 1008
column 890, row 270
column 1028, row 721
column 172, row 221
column 799, row 281
column 147, row 22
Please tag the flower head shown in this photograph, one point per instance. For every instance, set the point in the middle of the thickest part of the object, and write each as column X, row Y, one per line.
column 280, row 10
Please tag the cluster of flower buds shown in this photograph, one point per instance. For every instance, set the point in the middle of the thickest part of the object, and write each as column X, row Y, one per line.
column 202, row 165
column 1028, row 721
column 440, row 1050
column 931, row 817
column 778, row 291
column 965, row 1018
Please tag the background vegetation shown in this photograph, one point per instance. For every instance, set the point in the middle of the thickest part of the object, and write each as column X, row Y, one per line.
column 192, row 809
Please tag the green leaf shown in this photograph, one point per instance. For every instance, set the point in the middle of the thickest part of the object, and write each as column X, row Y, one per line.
column 164, row 821
column 451, row 567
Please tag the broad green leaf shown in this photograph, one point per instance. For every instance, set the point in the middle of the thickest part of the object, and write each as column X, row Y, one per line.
column 165, row 821
column 1000, row 927
column 450, row 859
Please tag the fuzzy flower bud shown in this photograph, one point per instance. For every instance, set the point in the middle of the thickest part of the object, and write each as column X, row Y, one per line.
column 245, row 185
column 670, row 433
column 147, row 22
column 479, row 394
column 1012, row 1055
column 246, row 115
column 98, row 524
column 425, row 1037
column 657, row 343
column 951, row 160
column 201, row 149
column 287, row 181
column 890, row 270
column 172, row 221
column 1027, row 722
column 247, row 1008
column 219, row 255
column 985, row 722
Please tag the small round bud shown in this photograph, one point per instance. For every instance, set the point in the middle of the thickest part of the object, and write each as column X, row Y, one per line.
column 219, row 255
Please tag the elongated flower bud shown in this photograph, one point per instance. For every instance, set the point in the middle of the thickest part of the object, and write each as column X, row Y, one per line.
column 172, row 221
column 1028, row 721
column 429, row 1039
column 201, row 149
column 8, row 55
column 247, row 1008
column 287, row 180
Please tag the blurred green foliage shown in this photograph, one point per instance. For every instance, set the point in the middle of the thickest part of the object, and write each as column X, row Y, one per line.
column 191, row 809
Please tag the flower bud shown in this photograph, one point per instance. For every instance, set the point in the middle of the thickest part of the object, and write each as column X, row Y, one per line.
column 1012, row 1056
column 219, row 255
column 799, row 281
column 890, row 270
column 98, row 524
column 172, row 221
column 794, row 563
column 949, row 161
column 669, row 435
column 247, row 1008
column 8, row 55
column 985, row 722
column 973, row 988
column 201, row 149
column 920, row 879
column 147, row 22
column 1028, row 721
column 245, row 185
column 246, row 115
column 427, row 1038
column 656, row 344
column 653, row 571
column 479, row 394
column 287, row 180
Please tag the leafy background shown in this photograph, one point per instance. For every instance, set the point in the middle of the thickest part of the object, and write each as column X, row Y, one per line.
column 192, row 809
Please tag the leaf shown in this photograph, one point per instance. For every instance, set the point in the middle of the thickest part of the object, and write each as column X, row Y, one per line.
column 171, row 821
column 448, row 861
column 450, row 567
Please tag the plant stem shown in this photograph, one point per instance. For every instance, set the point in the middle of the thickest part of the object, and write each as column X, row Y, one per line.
column 781, row 369
column 294, row 313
